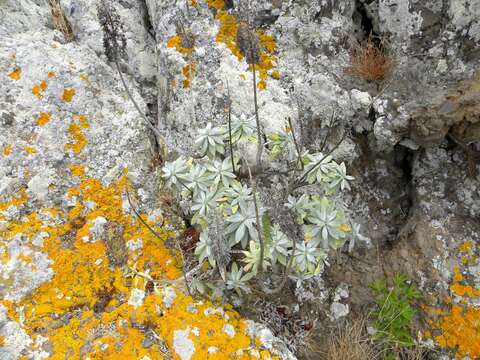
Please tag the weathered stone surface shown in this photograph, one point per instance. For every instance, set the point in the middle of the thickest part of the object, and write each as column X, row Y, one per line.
column 412, row 140
column 70, row 143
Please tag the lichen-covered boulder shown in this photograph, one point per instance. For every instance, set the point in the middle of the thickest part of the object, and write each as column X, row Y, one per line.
column 81, row 274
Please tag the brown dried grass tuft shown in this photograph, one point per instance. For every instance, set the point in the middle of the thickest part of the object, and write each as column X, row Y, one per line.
column 351, row 343
column 370, row 60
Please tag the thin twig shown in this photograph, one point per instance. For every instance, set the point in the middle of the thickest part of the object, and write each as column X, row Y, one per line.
column 257, row 119
column 297, row 147
column 257, row 215
column 324, row 143
column 144, row 117
column 186, row 187
column 140, row 218
column 230, row 126
column 300, row 182
column 159, row 238
column 184, row 274
column 287, row 271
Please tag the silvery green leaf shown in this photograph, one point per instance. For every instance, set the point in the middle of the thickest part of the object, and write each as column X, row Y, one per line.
column 282, row 144
column 204, row 249
column 307, row 257
column 300, row 206
column 237, row 281
column 324, row 220
column 210, row 141
column 197, row 180
column 239, row 194
column 242, row 127
column 279, row 248
column 221, row 172
column 340, row 179
column 205, row 202
column 239, row 223
column 175, row 173
column 253, row 257
column 318, row 166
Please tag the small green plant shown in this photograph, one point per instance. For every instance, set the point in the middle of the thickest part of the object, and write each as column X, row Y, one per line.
column 238, row 238
column 394, row 313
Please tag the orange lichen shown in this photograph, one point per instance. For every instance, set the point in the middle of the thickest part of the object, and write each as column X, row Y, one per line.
column 77, row 170
column 68, row 94
column 39, row 89
column 275, row 74
column 176, row 42
column 43, row 118
column 458, row 325
column 29, row 150
column 227, row 35
column 80, row 140
column 188, row 72
column 262, row 85
column 84, row 310
column 464, row 290
column 461, row 331
column 83, row 273
column 15, row 201
column 51, row 74
column 466, row 247
column 216, row 4
column 7, row 150
column 15, row 74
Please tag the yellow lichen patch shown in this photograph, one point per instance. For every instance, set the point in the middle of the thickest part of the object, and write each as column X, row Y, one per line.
column 461, row 331
column 79, row 139
column 457, row 324
column 39, row 89
column 103, row 323
column 275, row 74
column 83, row 273
column 7, row 150
column 77, row 170
column 216, row 4
column 29, row 150
column 188, row 72
column 176, row 42
column 16, row 201
column 83, row 77
column 194, row 3
column 68, row 94
column 114, row 283
column 15, row 74
column 43, row 118
column 227, row 35
column 466, row 247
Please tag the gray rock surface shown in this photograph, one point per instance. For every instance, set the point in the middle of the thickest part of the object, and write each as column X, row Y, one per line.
column 413, row 143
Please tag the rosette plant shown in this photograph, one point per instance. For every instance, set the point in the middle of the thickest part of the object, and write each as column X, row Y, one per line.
column 246, row 242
